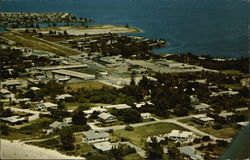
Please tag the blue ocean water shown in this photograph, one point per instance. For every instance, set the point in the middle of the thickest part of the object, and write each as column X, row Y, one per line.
column 214, row 27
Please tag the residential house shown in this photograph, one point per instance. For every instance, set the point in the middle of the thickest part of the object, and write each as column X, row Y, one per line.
column 92, row 136
column 118, row 106
column 6, row 94
column 203, row 120
column 146, row 116
column 180, row 136
column 56, row 125
column 201, row 107
column 46, row 106
column 67, row 121
column 103, row 147
column 13, row 120
column 192, row 153
column 107, row 118
column 63, row 97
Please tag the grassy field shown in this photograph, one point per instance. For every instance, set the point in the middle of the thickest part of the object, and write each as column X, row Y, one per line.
column 91, row 85
column 232, row 72
column 13, row 135
column 139, row 135
column 35, row 43
column 233, row 86
column 133, row 156
column 226, row 132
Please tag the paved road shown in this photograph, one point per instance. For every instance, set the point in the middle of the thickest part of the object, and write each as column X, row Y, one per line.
column 32, row 117
column 172, row 120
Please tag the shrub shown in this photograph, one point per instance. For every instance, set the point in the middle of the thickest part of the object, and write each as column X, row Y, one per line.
column 129, row 128
column 217, row 127
column 205, row 138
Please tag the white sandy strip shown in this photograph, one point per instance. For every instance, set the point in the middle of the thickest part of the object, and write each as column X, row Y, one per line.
column 19, row 150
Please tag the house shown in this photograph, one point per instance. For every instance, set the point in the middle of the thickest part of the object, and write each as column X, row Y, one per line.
column 181, row 136
column 107, row 118
column 13, row 120
column 118, row 106
column 201, row 107
column 243, row 124
column 67, row 121
column 103, row 147
column 56, row 125
column 102, row 74
column 191, row 152
column 46, row 106
column 35, row 88
column 158, row 139
column 203, row 120
column 146, row 116
column 226, row 115
column 92, row 136
column 194, row 99
column 22, row 100
column 63, row 97
column 6, row 94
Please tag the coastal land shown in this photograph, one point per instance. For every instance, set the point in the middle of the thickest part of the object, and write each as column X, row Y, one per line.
column 89, row 92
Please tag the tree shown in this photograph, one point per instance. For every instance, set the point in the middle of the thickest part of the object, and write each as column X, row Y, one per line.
column 7, row 113
column 78, row 118
column 154, row 150
column 4, row 129
column 40, row 35
column 67, row 139
column 205, row 138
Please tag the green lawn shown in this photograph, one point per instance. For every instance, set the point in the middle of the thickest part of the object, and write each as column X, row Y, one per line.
column 232, row 72
column 139, row 135
column 13, row 135
column 133, row 156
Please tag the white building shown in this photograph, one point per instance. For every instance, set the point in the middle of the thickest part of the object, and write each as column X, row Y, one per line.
column 46, row 106
column 92, row 136
column 146, row 116
column 181, row 136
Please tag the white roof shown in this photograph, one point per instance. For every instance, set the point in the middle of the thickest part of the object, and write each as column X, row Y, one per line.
column 202, row 106
column 49, row 104
column 35, row 88
column 63, row 96
column 105, row 116
column 103, row 146
column 145, row 114
column 178, row 133
column 118, row 106
column 5, row 91
column 14, row 119
column 199, row 116
column 206, row 119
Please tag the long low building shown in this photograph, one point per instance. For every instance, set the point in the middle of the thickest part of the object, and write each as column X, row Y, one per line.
column 74, row 74
column 50, row 68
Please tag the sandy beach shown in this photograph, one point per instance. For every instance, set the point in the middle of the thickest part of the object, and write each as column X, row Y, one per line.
column 19, row 150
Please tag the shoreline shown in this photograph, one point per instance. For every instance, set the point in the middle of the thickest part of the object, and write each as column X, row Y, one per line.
column 19, row 150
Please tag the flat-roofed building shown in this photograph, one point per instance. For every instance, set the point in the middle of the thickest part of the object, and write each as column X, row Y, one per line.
column 103, row 147
column 118, row 106
column 203, row 120
column 74, row 74
column 46, row 106
column 181, row 136
column 201, row 107
column 13, row 120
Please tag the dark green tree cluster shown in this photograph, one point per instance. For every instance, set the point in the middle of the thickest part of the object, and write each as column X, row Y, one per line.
column 127, row 115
